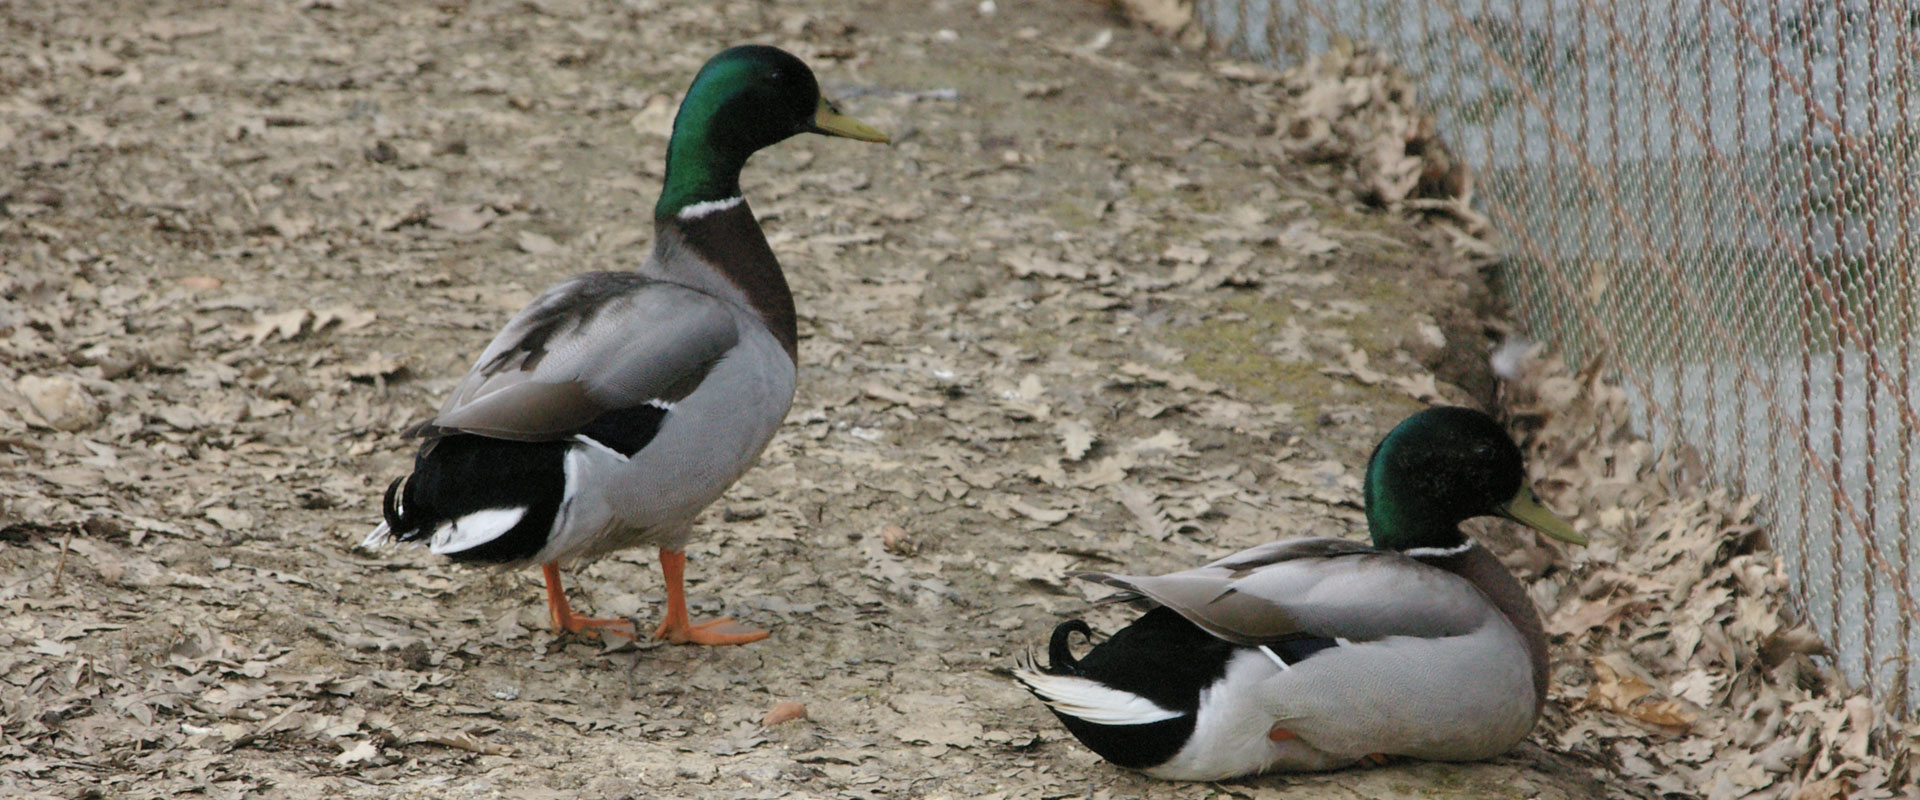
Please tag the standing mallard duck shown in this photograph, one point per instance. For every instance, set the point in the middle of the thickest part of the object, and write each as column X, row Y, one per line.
column 617, row 405
column 1314, row 654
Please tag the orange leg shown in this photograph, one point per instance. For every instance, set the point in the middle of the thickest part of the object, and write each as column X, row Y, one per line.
column 1280, row 734
column 1376, row 759
column 564, row 620
column 677, row 628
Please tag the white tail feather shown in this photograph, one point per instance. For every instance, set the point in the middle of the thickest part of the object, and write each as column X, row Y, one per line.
column 380, row 535
column 1091, row 700
column 475, row 529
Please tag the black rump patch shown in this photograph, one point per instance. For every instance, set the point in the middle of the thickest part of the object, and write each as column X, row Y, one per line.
column 1161, row 657
column 460, row 474
column 627, row 430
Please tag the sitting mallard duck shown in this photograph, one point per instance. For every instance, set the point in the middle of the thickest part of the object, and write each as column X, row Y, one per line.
column 1314, row 654
column 617, row 405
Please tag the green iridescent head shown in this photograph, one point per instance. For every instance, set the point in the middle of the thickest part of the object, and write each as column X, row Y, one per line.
column 1441, row 467
column 743, row 99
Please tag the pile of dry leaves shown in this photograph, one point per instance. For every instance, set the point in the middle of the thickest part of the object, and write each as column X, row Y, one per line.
column 1352, row 107
column 1679, row 621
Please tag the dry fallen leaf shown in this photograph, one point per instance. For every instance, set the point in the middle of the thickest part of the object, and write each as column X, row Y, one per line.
column 375, row 365
column 894, row 539
column 346, row 318
column 1075, row 438
column 289, row 225
column 1617, row 685
column 286, row 325
column 362, row 750
column 1165, row 17
column 1142, row 504
column 1176, row 380
column 1835, row 788
column 1304, row 238
column 1039, row 514
column 62, row 403
column 1585, row 616
column 458, row 740
column 783, row 711
column 536, row 244
column 230, row 519
column 1166, row 441
column 463, row 218
column 898, row 397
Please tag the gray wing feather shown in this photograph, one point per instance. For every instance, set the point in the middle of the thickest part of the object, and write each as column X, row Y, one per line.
column 597, row 342
column 1315, row 587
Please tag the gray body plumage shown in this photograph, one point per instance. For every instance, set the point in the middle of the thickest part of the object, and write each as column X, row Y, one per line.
column 677, row 335
column 1430, row 666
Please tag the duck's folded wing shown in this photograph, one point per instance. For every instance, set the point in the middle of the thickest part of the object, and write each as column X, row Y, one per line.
column 1330, row 588
column 599, row 342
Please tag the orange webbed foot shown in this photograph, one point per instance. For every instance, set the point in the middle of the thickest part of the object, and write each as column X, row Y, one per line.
column 678, row 628
column 580, row 624
column 565, row 621
column 711, row 632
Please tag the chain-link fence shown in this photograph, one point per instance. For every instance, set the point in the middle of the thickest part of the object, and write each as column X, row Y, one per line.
column 1713, row 196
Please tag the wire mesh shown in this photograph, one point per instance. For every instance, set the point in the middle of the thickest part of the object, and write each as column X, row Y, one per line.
column 1714, row 196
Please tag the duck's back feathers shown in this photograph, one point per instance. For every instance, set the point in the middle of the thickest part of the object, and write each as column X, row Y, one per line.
column 1329, row 588
column 598, row 343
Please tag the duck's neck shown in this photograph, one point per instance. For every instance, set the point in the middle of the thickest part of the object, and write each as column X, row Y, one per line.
column 1485, row 572
column 1401, row 515
column 699, row 171
column 717, row 246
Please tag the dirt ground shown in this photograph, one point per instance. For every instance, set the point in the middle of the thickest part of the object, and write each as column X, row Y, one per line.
column 1083, row 313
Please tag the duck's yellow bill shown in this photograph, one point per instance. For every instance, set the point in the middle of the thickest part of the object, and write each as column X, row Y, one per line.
column 1525, row 509
column 830, row 121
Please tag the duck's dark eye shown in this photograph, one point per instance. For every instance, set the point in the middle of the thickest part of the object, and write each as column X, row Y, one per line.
column 774, row 76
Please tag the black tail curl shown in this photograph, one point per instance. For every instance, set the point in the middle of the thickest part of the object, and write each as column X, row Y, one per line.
column 1060, row 660
column 394, row 511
